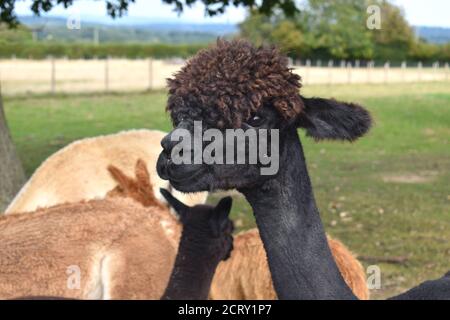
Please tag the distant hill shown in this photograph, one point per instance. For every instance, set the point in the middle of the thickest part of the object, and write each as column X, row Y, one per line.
column 139, row 30
column 55, row 29
column 433, row 34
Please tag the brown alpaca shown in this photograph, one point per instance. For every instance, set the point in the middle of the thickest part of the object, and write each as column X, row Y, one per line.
column 77, row 172
column 139, row 189
column 118, row 248
column 246, row 274
column 206, row 240
column 123, row 250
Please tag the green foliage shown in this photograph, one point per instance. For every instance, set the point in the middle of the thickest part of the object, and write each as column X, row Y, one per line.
column 257, row 28
column 117, row 8
column 424, row 51
column 288, row 38
column 88, row 51
column 21, row 34
column 261, row 29
column 324, row 30
column 337, row 30
column 396, row 37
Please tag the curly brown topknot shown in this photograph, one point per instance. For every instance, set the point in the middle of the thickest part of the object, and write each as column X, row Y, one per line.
column 226, row 84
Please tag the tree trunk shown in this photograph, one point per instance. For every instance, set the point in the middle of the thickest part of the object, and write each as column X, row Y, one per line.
column 12, row 175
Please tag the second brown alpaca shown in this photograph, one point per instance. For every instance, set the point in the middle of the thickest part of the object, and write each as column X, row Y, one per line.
column 205, row 241
column 246, row 274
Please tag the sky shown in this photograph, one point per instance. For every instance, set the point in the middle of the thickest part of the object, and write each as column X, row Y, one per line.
column 434, row 13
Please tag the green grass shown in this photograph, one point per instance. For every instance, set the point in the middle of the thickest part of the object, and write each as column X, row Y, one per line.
column 386, row 195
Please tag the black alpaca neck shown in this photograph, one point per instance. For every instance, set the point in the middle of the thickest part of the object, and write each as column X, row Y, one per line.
column 193, row 270
column 299, row 257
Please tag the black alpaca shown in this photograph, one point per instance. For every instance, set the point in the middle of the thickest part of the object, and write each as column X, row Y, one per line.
column 205, row 241
column 235, row 85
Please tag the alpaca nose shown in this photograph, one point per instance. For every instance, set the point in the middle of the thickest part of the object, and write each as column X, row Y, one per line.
column 180, row 133
column 167, row 143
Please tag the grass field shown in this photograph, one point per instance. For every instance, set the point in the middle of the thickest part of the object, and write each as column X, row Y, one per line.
column 386, row 196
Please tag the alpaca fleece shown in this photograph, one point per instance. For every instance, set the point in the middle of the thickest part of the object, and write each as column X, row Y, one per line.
column 78, row 171
column 245, row 275
column 122, row 250
column 226, row 84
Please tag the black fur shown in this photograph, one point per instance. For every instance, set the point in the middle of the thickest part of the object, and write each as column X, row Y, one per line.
column 332, row 119
column 438, row 289
column 205, row 241
column 299, row 258
column 288, row 220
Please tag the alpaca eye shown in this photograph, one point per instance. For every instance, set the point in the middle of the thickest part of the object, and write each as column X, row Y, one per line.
column 255, row 121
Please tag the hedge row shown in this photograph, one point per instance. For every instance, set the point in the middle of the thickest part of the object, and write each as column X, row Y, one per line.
column 424, row 52
column 89, row 51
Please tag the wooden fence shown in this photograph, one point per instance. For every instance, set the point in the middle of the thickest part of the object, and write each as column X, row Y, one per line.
column 21, row 76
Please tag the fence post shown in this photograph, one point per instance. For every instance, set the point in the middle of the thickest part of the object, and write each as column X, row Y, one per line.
column 308, row 66
column 107, row 74
column 349, row 72
column 419, row 73
column 404, row 71
column 150, row 73
column 357, row 63
column 53, row 75
column 446, row 71
column 387, row 65
column 369, row 70
column 330, row 71
column 436, row 70
column 290, row 62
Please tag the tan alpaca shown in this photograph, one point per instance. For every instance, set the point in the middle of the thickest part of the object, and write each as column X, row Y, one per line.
column 100, row 249
column 77, row 172
column 245, row 275
column 123, row 250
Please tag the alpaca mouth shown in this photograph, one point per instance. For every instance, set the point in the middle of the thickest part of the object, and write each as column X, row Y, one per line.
column 185, row 176
column 179, row 174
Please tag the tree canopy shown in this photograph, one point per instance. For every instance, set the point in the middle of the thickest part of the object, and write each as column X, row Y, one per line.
column 117, row 8
column 338, row 30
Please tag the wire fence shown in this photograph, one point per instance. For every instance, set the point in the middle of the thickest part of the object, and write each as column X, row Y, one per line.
column 21, row 76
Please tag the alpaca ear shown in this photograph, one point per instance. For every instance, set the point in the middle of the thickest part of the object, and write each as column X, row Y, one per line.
column 332, row 119
column 142, row 174
column 179, row 206
column 219, row 221
column 222, row 211
column 125, row 182
column 223, row 208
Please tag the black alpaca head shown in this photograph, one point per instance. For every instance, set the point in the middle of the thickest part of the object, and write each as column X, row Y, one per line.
column 234, row 85
column 208, row 223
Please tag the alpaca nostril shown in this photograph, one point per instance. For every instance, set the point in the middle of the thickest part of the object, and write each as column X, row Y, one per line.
column 166, row 144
